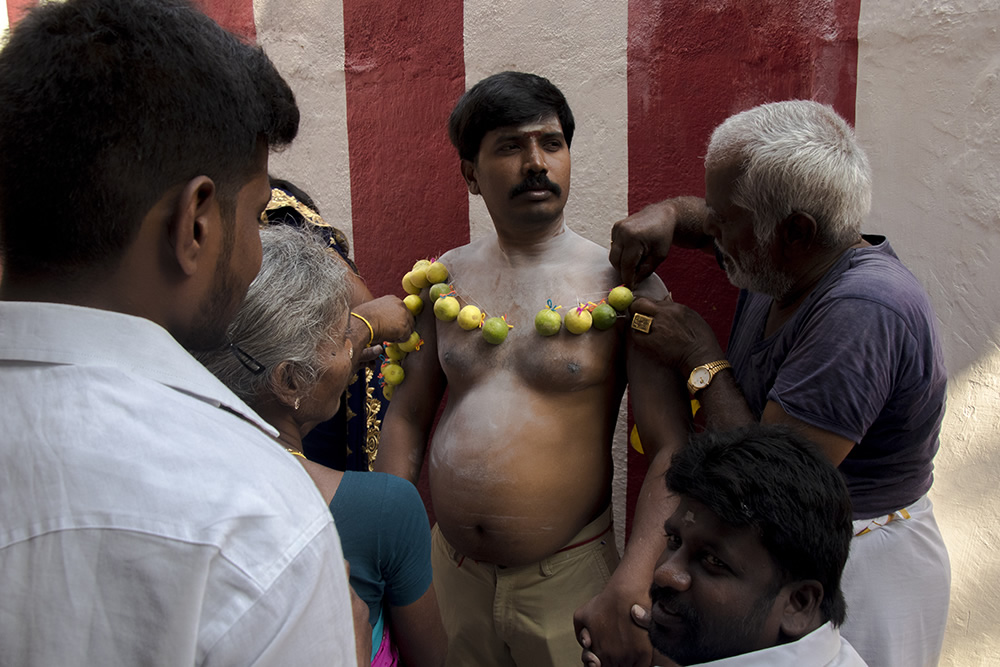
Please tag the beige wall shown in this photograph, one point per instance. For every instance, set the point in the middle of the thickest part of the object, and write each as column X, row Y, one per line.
column 928, row 112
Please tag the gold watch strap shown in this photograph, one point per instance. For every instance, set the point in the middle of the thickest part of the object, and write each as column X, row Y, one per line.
column 717, row 366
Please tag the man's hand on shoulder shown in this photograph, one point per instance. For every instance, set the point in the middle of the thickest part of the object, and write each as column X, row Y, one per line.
column 677, row 336
column 609, row 633
column 640, row 242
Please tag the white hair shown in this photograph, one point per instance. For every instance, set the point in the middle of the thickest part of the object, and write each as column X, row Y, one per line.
column 796, row 156
column 290, row 310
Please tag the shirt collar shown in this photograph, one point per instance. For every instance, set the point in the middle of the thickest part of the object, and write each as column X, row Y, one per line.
column 57, row 333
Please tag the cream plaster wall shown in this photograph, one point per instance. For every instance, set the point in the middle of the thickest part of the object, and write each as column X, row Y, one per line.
column 928, row 112
column 312, row 60
column 586, row 59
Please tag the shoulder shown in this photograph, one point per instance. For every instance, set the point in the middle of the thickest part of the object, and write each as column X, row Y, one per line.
column 466, row 253
column 877, row 277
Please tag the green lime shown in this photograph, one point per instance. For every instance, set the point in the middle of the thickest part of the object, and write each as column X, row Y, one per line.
column 495, row 330
column 548, row 322
column 437, row 289
column 604, row 317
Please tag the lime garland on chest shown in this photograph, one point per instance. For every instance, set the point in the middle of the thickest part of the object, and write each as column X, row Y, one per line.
column 429, row 273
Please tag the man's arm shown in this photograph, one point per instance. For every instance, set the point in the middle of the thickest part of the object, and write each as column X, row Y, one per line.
column 414, row 405
column 662, row 415
column 640, row 242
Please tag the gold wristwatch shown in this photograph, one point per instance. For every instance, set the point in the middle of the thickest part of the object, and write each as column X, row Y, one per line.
column 702, row 375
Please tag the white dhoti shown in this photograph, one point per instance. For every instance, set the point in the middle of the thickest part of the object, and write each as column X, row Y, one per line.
column 897, row 584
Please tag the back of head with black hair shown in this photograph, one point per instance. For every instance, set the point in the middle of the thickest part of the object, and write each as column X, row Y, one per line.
column 104, row 106
column 502, row 100
column 776, row 481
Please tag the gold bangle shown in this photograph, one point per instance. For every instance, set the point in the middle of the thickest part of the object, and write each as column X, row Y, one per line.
column 371, row 340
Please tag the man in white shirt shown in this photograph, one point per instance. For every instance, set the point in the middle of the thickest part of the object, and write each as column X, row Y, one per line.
column 147, row 516
column 755, row 550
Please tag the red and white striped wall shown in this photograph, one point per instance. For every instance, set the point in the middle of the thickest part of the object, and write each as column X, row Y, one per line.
column 647, row 81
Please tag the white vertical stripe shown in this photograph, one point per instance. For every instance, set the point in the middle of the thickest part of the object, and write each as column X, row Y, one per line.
column 928, row 113
column 4, row 23
column 581, row 46
column 305, row 39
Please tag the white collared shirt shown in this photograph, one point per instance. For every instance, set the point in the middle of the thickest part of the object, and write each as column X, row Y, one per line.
column 823, row 647
column 148, row 516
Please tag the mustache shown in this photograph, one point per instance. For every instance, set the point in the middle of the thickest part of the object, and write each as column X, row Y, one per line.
column 535, row 182
column 667, row 599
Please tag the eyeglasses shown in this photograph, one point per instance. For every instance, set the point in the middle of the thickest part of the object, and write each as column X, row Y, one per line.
column 248, row 362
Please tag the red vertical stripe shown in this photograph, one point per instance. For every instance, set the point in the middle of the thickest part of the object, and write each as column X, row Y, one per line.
column 690, row 66
column 404, row 71
column 16, row 9
column 236, row 16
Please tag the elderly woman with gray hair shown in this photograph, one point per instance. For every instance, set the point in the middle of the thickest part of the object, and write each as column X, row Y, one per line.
column 290, row 357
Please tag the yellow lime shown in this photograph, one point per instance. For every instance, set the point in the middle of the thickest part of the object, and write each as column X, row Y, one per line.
column 446, row 308
column 410, row 344
column 408, row 285
column 393, row 352
column 469, row 317
column 620, row 298
column 437, row 272
column 418, row 276
column 495, row 330
column 387, row 391
column 393, row 373
column 413, row 303
column 578, row 320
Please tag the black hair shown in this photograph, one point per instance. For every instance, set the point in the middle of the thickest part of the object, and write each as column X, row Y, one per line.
column 107, row 104
column 502, row 100
column 773, row 479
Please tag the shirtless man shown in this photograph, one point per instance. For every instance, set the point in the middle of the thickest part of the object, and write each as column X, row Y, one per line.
column 521, row 466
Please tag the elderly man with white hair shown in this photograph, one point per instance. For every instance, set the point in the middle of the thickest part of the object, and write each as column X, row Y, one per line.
column 832, row 335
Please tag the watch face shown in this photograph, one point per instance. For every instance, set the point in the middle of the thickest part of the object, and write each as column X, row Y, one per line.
column 700, row 377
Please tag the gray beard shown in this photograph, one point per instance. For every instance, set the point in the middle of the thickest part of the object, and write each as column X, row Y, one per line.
column 757, row 273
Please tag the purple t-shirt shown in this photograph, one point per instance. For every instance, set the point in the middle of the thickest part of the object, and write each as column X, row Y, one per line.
column 859, row 358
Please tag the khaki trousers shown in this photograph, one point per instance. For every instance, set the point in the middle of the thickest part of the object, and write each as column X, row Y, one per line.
column 520, row 616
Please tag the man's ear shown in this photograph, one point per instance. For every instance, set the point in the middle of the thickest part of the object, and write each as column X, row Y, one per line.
column 797, row 232
column 469, row 174
column 801, row 614
column 191, row 222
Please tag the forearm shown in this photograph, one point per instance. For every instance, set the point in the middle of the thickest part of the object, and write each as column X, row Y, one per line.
column 401, row 449
column 689, row 215
column 723, row 403
column 647, row 540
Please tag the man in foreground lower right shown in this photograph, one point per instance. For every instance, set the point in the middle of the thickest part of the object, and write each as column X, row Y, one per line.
column 755, row 551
